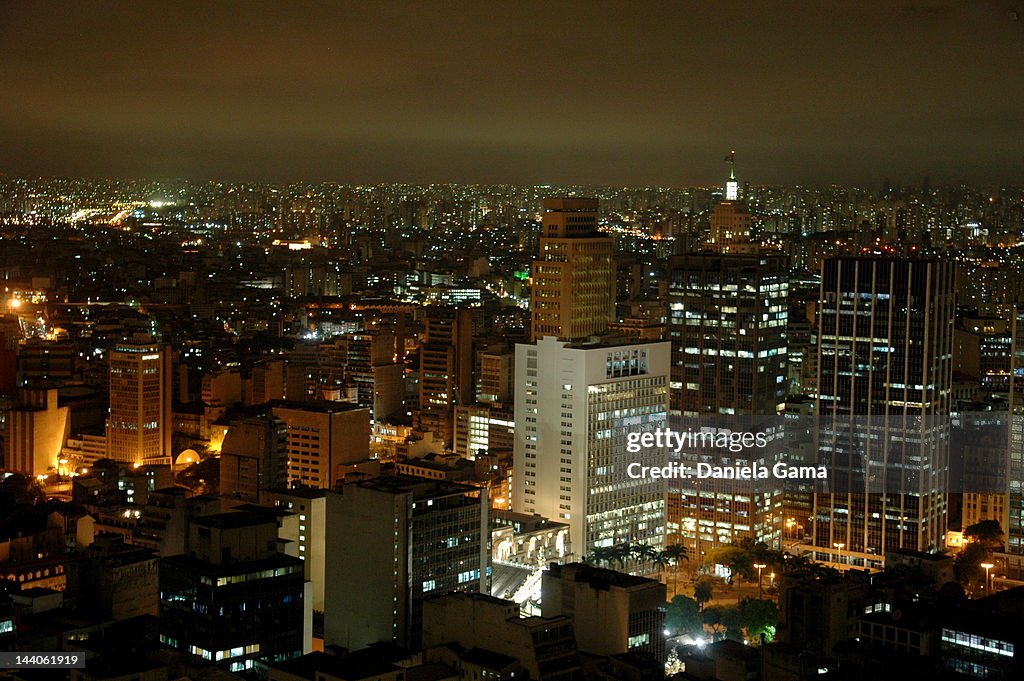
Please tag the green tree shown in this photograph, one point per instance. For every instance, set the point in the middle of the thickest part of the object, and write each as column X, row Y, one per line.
column 759, row 617
column 682, row 616
column 703, row 590
column 202, row 477
column 20, row 491
column 602, row 555
column 725, row 621
column 643, row 554
column 673, row 555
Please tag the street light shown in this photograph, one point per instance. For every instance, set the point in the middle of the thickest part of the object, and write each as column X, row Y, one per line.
column 987, row 566
column 840, row 545
column 759, row 566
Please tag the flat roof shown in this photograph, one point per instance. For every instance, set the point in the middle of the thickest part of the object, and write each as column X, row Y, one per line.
column 235, row 519
column 420, row 488
column 317, row 406
column 599, row 577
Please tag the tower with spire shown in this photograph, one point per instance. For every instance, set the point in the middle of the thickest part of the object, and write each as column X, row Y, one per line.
column 730, row 219
column 732, row 187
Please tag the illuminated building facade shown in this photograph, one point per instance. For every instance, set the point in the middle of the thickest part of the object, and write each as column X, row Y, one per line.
column 727, row 324
column 573, row 294
column 885, row 353
column 139, row 426
column 574, row 406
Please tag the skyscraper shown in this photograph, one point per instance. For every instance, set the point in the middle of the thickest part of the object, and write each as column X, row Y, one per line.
column 727, row 324
column 323, row 436
column 1014, row 558
column 573, row 294
column 731, row 222
column 884, row 394
column 446, row 369
column 574, row 406
column 139, row 427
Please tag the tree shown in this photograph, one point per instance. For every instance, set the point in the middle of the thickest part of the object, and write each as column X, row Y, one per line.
column 759, row 618
column 642, row 553
column 703, row 590
column 621, row 552
column 202, row 477
column 725, row 621
column 988, row 533
column 682, row 616
column 739, row 561
column 672, row 555
column 967, row 564
column 19, row 491
column 602, row 555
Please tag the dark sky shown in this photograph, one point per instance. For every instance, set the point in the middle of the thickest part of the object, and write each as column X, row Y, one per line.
column 574, row 92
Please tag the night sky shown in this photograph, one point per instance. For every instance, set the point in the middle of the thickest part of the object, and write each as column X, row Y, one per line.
column 582, row 92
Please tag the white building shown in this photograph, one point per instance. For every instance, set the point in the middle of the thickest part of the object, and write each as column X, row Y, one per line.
column 306, row 528
column 575, row 403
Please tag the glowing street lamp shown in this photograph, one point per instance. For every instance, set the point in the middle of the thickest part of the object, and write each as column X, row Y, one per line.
column 988, row 567
column 759, row 566
column 840, row 545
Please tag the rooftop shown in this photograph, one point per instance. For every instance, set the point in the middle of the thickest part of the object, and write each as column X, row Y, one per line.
column 236, row 519
column 420, row 488
column 597, row 577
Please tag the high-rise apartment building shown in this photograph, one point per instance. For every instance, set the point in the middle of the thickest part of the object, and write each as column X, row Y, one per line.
column 323, row 436
column 394, row 542
column 446, row 369
column 884, row 394
column 727, row 323
column 139, row 426
column 573, row 290
column 575, row 404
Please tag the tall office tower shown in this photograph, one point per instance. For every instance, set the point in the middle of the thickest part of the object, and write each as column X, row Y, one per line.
column 730, row 220
column 322, row 437
column 884, row 394
column 574, row 406
column 573, row 294
column 254, row 458
column 1014, row 558
column 446, row 369
column 394, row 542
column 232, row 599
column 139, row 427
column 727, row 324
